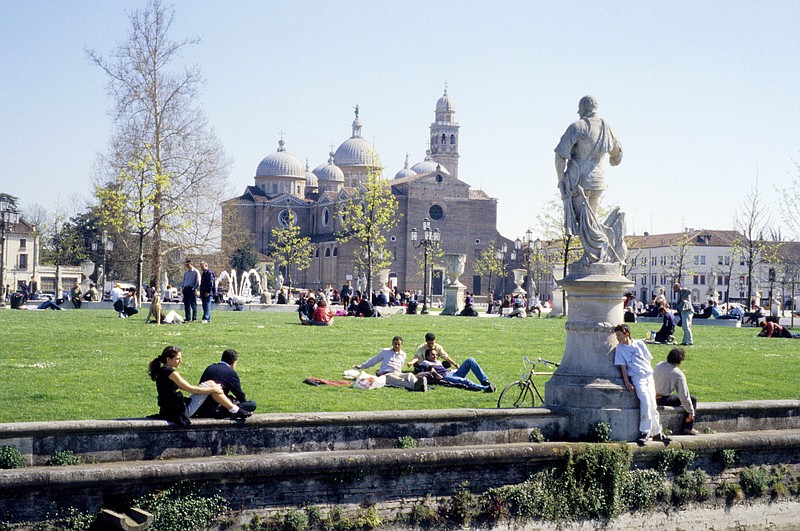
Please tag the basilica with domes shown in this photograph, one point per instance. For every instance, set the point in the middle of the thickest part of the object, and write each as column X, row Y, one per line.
column 466, row 218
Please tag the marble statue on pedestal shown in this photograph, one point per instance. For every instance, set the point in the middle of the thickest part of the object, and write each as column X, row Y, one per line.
column 581, row 180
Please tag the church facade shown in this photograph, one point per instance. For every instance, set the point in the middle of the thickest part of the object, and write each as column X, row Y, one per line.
column 284, row 187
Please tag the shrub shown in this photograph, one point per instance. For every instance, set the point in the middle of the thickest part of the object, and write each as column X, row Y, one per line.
column 181, row 507
column 422, row 514
column 65, row 458
column 690, row 486
column 754, row 481
column 536, row 436
column 406, row 441
column 11, row 457
column 600, row 432
column 732, row 492
column 676, row 461
column 727, row 457
column 462, row 506
column 642, row 489
column 295, row 521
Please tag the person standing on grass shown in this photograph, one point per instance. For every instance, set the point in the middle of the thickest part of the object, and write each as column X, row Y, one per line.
column 687, row 312
column 191, row 281
column 633, row 360
column 391, row 360
column 172, row 404
column 672, row 389
column 208, row 290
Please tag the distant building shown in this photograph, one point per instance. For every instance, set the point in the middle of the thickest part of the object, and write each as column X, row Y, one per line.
column 466, row 218
column 21, row 262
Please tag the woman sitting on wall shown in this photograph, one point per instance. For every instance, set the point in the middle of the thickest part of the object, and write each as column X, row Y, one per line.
column 172, row 404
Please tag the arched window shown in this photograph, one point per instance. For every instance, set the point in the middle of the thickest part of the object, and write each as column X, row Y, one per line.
column 335, row 251
column 452, row 140
column 328, row 253
column 444, row 139
column 326, row 217
column 316, row 252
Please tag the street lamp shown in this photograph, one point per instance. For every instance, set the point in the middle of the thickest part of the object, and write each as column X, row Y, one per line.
column 107, row 244
column 501, row 255
column 429, row 238
column 8, row 218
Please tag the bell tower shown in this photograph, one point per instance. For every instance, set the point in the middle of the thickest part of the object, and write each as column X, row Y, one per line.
column 444, row 135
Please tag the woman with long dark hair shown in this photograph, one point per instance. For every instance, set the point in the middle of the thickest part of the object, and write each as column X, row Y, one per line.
column 172, row 404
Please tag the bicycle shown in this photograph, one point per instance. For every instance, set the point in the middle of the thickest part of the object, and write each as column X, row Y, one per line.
column 524, row 391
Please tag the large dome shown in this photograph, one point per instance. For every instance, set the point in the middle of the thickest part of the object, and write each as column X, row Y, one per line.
column 280, row 164
column 428, row 165
column 311, row 178
column 329, row 171
column 356, row 152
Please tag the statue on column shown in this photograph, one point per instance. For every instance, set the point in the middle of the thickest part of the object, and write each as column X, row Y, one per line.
column 581, row 180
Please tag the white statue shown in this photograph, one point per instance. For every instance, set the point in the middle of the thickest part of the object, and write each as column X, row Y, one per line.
column 581, row 180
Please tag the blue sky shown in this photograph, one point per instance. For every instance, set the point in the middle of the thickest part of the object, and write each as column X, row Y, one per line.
column 704, row 96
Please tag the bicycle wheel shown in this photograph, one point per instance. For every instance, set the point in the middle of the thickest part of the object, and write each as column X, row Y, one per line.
column 516, row 394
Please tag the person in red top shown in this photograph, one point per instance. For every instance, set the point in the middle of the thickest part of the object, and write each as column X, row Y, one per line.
column 322, row 316
column 770, row 329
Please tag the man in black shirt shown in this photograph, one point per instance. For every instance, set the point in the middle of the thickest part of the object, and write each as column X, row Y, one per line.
column 224, row 373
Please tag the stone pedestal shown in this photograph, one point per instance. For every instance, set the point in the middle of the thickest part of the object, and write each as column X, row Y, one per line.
column 587, row 385
column 454, row 291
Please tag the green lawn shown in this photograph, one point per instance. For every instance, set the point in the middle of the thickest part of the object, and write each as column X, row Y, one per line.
column 88, row 364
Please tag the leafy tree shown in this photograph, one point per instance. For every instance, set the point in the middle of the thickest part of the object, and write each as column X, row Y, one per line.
column 62, row 245
column 158, row 124
column 567, row 246
column 752, row 220
column 291, row 249
column 488, row 264
column 130, row 205
column 244, row 259
column 366, row 219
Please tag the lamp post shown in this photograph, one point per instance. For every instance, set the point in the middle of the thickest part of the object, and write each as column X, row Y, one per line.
column 429, row 238
column 8, row 218
column 106, row 244
column 501, row 255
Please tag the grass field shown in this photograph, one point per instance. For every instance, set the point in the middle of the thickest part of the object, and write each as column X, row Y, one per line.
column 91, row 365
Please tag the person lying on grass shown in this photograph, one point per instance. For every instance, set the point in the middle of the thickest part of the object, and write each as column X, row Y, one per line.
column 435, row 371
column 172, row 404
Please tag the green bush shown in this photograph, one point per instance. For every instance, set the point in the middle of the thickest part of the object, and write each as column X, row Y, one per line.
column 676, row 461
column 11, row 457
column 295, row 521
column 65, row 458
column 406, row 441
column 422, row 514
column 462, row 507
column 600, row 432
column 727, row 457
column 182, row 508
column 643, row 489
column 732, row 492
column 754, row 481
column 690, row 485
column 536, row 436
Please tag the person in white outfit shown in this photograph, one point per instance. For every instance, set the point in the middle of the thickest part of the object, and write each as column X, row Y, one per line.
column 633, row 360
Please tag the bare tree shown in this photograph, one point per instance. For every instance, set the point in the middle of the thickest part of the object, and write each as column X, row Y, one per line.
column 790, row 205
column 752, row 220
column 562, row 241
column 156, row 112
column 679, row 264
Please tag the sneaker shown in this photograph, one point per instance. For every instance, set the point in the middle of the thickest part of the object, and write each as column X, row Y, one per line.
column 490, row 388
column 241, row 414
column 660, row 437
column 643, row 438
column 691, row 432
column 421, row 385
column 204, row 321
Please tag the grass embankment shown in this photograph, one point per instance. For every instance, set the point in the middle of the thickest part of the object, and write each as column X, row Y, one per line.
column 91, row 365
